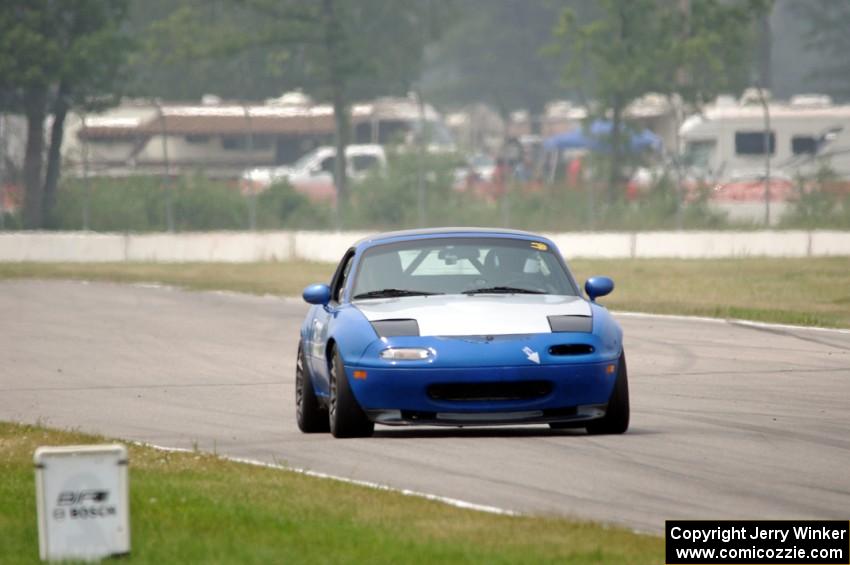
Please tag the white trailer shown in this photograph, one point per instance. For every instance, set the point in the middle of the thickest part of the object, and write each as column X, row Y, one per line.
column 727, row 140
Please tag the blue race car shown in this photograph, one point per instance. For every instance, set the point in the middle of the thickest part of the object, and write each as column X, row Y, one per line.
column 459, row 327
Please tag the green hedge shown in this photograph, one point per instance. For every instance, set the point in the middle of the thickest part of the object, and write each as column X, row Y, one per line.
column 390, row 200
column 140, row 204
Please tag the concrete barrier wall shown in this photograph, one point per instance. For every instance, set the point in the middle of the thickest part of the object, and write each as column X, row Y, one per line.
column 705, row 245
column 594, row 245
column 825, row 243
column 59, row 246
column 241, row 247
column 235, row 247
column 324, row 246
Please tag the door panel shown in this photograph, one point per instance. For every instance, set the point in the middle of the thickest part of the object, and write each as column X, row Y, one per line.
column 317, row 349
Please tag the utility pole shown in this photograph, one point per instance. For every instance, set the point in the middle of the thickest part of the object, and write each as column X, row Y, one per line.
column 166, row 179
column 765, row 83
column 86, row 182
column 4, row 126
column 252, row 196
column 677, row 106
column 420, row 163
column 333, row 47
column 767, row 150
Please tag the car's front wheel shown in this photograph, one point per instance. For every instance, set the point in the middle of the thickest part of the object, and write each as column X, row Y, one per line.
column 346, row 417
column 309, row 415
column 616, row 420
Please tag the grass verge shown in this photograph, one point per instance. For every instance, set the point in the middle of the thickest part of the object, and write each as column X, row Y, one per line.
column 813, row 291
column 197, row 508
column 810, row 292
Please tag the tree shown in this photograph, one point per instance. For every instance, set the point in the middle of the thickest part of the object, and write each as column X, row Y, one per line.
column 708, row 48
column 696, row 49
column 615, row 55
column 55, row 56
column 371, row 47
column 337, row 50
column 705, row 57
column 492, row 54
column 826, row 25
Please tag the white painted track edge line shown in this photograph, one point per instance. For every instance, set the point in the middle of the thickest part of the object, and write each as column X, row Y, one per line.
column 735, row 321
column 290, row 299
column 456, row 502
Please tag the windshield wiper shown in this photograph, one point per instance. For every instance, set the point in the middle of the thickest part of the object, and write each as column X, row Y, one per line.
column 391, row 292
column 502, row 290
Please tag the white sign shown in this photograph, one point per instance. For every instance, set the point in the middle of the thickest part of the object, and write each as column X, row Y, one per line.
column 83, row 510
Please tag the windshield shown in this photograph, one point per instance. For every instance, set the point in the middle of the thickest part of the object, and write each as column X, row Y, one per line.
column 305, row 160
column 461, row 265
column 698, row 154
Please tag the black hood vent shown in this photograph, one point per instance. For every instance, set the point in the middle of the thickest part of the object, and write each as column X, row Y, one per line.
column 564, row 349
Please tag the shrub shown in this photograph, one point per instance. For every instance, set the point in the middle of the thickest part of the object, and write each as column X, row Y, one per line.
column 199, row 204
column 390, row 200
column 281, row 207
column 823, row 202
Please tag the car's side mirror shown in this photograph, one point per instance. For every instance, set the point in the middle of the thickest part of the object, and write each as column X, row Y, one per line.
column 317, row 294
column 598, row 286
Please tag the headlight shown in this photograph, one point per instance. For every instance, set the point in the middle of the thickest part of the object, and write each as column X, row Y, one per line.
column 406, row 354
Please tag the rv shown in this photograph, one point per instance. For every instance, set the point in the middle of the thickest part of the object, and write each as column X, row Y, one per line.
column 223, row 139
column 727, row 140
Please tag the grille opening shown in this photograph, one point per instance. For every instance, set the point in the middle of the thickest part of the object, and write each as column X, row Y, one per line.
column 560, row 412
column 414, row 415
column 571, row 349
column 459, row 392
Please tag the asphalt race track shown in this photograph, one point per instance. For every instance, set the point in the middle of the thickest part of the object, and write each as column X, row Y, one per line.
column 728, row 421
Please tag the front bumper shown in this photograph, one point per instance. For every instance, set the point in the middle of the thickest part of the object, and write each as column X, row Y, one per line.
column 484, row 396
column 577, row 415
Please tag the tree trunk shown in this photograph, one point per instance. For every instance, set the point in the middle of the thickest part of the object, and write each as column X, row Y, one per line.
column 54, row 154
column 341, row 131
column 333, row 37
column 616, row 151
column 33, row 200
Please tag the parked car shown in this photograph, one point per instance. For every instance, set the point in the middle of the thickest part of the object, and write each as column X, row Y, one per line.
column 313, row 173
column 458, row 327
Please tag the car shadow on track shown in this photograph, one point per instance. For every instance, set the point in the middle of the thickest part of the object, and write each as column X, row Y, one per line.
column 494, row 432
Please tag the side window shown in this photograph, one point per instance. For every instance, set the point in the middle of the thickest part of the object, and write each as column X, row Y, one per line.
column 327, row 165
column 753, row 143
column 362, row 163
column 804, row 145
column 341, row 276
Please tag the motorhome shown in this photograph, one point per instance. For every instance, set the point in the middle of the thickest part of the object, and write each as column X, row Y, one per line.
column 727, row 140
column 222, row 139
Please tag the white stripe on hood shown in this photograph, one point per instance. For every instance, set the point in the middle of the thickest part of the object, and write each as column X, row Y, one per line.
column 477, row 314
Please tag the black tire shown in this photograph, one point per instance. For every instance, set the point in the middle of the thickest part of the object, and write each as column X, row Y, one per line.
column 346, row 417
column 616, row 420
column 311, row 417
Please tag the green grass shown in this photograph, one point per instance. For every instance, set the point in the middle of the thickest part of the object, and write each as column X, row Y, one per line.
column 812, row 291
column 197, row 508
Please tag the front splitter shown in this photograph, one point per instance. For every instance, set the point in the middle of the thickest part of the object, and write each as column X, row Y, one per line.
column 577, row 415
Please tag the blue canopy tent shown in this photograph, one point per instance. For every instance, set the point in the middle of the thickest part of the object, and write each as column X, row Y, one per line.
column 597, row 139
